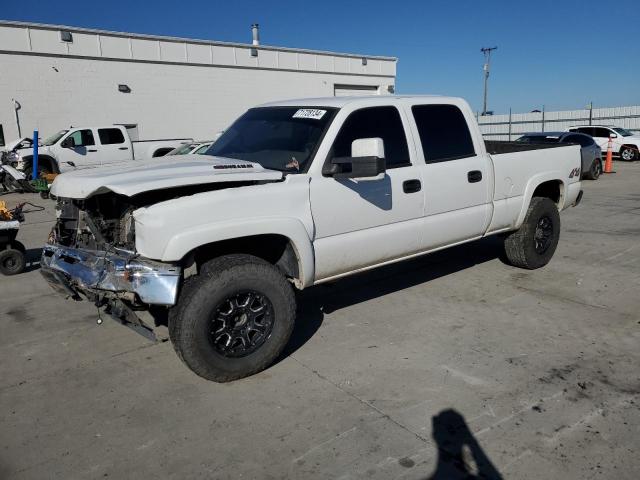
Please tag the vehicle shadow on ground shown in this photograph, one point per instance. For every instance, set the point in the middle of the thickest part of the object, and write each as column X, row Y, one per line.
column 460, row 456
column 315, row 302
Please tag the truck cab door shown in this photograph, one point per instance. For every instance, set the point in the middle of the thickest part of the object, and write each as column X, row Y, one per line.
column 457, row 173
column 114, row 145
column 364, row 222
column 78, row 150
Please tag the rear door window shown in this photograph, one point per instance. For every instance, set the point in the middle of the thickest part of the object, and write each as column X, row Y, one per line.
column 381, row 122
column 444, row 132
column 110, row 136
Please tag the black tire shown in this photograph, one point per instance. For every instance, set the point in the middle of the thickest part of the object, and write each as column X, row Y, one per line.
column 12, row 261
column 595, row 170
column 533, row 245
column 629, row 153
column 196, row 318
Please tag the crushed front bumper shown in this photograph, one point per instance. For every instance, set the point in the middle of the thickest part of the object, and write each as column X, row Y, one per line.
column 74, row 272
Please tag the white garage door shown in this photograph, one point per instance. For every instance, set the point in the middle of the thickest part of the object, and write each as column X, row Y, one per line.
column 354, row 90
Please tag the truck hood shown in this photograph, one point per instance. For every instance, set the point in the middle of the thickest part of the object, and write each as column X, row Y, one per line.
column 133, row 177
column 9, row 147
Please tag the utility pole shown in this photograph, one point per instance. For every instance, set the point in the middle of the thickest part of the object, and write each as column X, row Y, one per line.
column 487, row 63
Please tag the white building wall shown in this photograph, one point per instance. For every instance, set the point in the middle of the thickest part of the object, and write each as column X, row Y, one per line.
column 179, row 88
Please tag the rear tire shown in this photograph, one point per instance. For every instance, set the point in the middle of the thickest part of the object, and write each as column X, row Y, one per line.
column 234, row 319
column 595, row 170
column 12, row 261
column 533, row 245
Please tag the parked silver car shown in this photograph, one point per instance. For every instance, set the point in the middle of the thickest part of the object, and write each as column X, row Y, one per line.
column 590, row 150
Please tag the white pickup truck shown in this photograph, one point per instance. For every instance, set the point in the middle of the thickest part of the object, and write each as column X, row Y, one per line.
column 294, row 194
column 89, row 147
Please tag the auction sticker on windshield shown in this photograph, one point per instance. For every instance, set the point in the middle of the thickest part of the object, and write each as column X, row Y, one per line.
column 313, row 113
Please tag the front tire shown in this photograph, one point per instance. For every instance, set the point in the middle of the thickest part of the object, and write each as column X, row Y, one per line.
column 533, row 245
column 234, row 319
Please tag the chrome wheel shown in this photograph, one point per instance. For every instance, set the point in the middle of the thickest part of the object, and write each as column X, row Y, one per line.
column 241, row 323
column 629, row 154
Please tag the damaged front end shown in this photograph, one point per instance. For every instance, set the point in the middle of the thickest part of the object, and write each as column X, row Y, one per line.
column 91, row 254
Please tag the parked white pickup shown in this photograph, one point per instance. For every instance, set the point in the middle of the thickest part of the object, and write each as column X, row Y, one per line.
column 296, row 193
column 89, row 147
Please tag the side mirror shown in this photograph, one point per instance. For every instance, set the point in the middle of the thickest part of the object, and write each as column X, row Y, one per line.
column 366, row 160
column 367, row 147
column 68, row 142
column 613, row 135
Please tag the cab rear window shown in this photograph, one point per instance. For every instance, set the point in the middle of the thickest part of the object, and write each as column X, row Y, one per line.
column 444, row 132
column 110, row 136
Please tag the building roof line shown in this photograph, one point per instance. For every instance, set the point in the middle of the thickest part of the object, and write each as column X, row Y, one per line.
column 143, row 36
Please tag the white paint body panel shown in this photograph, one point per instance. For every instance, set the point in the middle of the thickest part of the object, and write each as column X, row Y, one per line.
column 339, row 226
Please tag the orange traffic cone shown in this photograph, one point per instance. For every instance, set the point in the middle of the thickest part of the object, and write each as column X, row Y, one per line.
column 608, row 163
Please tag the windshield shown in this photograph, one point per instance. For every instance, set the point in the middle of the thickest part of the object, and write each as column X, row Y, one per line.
column 278, row 138
column 53, row 138
column 623, row 132
column 182, row 149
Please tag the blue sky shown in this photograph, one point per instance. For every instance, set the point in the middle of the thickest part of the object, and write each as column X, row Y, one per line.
column 562, row 54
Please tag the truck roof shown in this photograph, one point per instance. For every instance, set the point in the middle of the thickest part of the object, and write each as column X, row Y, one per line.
column 340, row 102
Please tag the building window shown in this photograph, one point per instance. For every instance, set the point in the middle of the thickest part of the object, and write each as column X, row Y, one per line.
column 65, row 36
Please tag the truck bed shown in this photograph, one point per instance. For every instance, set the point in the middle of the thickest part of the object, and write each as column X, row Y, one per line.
column 497, row 147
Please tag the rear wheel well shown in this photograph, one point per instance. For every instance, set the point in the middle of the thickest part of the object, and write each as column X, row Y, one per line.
column 275, row 249
column 551, row 189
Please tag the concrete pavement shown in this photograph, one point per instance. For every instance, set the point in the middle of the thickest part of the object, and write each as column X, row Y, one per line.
column 445, row 366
